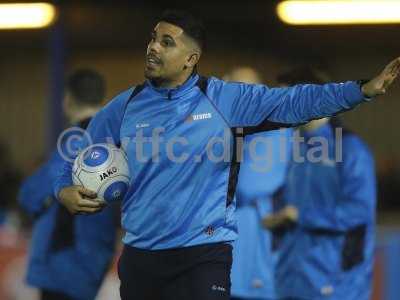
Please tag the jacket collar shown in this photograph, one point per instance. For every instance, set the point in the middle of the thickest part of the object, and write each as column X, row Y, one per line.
column 173, row 93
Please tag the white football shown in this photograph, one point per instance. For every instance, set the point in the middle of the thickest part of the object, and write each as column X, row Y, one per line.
column 102, row 168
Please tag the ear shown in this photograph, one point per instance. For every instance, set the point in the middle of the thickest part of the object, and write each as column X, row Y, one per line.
column 192, row 59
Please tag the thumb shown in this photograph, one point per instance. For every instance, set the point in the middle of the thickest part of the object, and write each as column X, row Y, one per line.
column 86, row 192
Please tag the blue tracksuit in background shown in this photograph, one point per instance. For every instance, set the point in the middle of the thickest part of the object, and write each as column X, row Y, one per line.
column 68, row 254
column 329, row 253
column 262, row 173
column 182, row 156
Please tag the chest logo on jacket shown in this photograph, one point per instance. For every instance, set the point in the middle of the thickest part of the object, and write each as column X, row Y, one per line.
column 142, row 125
column 198, row 117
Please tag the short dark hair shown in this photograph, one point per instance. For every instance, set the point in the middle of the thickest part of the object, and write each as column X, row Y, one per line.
column 300, row 75
column 191, row 24
column 87, row 87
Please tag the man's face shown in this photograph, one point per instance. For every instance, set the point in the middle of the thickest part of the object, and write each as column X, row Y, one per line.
column 168, row 53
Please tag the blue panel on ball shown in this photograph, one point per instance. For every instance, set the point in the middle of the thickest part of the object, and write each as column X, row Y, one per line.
column 95, row 156
column 116, row 191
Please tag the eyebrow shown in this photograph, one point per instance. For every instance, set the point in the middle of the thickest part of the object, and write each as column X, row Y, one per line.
column 164, row 35
column 168, row 36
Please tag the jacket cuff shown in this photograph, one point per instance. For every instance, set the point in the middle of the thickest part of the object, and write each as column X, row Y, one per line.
column 353, row 93
column 59, row 186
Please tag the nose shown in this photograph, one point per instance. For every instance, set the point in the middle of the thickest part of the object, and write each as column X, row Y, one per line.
column 153, row 47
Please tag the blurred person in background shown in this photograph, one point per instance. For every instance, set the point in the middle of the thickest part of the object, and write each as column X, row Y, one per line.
column 10, row 218
column 179, row 211
column 262, row 172
column 13, row 224
column 69, row 255
column 327, row 222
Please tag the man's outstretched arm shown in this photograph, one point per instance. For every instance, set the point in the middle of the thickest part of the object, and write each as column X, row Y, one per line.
column 256, row 105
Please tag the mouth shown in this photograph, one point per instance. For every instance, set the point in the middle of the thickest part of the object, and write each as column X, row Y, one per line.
column 152, row 61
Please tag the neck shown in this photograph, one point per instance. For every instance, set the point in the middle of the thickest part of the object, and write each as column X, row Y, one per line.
column 81, row 114
column 313, row 125
column 172, row 83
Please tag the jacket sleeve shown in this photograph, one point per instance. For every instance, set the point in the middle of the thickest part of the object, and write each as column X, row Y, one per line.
column 103, row 128
column 359, row 185
column 249, row 105
column 358, row 191
column 36, row 189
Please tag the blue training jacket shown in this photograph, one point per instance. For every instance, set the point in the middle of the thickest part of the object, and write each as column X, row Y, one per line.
column 181, row 191
column 262, row 173
column 329, row 253
column 68, row 254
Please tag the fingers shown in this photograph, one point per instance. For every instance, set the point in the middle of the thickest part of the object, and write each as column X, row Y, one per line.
column 284, row 217
column 291, row 213
column 272, row 221
column 88, row 193
column 268, row 222
column 388, row 81
column 84, row 207
column 386, row 78
column 393, row 63
column 79, row 200
column 84, row 203
column 393, row 66
column 396, row 70
column 90, row 206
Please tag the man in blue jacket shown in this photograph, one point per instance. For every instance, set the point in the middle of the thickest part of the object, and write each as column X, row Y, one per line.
column 327, row 249
column 181, row 133
column 69, row 255
column 262, row 173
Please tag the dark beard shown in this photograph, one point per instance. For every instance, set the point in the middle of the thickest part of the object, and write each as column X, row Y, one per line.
column 155, row 80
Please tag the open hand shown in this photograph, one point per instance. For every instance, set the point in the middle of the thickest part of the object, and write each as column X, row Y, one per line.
column 379, row 84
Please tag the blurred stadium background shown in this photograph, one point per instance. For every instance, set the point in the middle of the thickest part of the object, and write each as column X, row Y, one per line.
column 111, row 36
